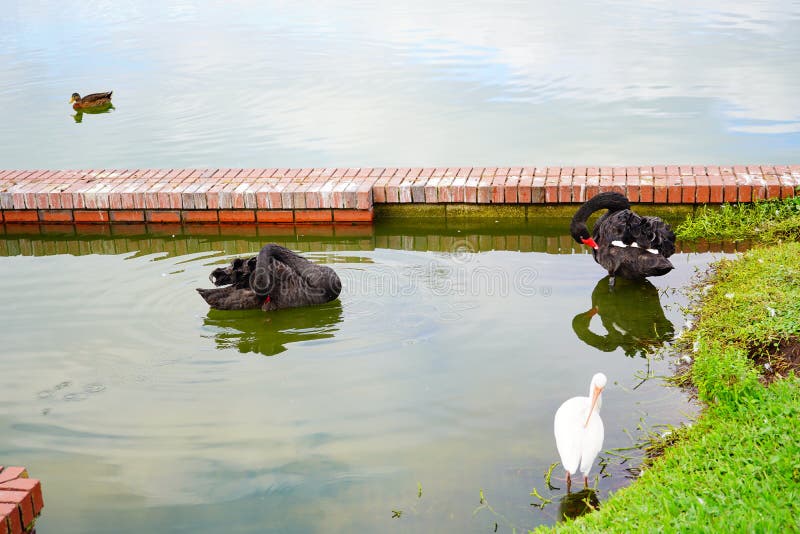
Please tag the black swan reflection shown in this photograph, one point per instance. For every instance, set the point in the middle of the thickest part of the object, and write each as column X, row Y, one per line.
column 269, row 334
column 275, row 279
column 631, row 314
column 624, row 243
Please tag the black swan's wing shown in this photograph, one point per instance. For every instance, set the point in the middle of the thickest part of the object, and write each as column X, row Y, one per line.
column 662, row 237
column 231, row 298
column 291, row 280
column 628, row 227
column 612, row 226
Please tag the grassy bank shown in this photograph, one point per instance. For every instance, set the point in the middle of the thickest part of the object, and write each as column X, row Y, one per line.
column 737, row 469
column 768, row 221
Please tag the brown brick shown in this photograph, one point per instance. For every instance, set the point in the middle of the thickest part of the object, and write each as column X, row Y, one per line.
column 199, row 216
column 312, row 216
column 91, row 216
column 163, row 216
column 126, row 215
column 275, row 216
column 55, row 215
column 352, row 215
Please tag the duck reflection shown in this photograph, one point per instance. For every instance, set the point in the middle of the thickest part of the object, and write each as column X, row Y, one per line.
column 576, row 504
column 632, row 315
column 268, row 334
column 78, row 117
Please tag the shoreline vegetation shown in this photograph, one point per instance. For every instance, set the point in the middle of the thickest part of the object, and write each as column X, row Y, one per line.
column 768, row 221
column 737, row 467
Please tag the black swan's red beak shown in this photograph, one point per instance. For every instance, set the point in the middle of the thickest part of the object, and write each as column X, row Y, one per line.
column 589, row 242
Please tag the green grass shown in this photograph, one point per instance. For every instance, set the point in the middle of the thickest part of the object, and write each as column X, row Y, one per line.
column 737, row 469
column 766, row 221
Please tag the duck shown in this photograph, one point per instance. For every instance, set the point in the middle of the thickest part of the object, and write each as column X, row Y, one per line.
column 624, row 243
column 579, row 430
column 93, row 100
column 276, row 278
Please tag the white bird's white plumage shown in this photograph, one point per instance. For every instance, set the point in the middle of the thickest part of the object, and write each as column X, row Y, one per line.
column 579, row 433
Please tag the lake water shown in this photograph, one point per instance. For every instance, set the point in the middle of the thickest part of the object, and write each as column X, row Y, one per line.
column 442, row 364
column 417, row 83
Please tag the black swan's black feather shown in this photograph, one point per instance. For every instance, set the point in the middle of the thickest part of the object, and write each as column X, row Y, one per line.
column 277, row 278
column 638, row 235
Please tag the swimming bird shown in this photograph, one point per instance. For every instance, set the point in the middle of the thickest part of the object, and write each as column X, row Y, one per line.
column 624, row 243
column 93, row 100
column 277, row 278
column 579, row 430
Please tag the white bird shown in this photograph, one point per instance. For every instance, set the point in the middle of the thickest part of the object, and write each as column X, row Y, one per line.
column 579, row 430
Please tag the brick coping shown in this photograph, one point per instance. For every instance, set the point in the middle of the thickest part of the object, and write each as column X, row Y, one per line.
column 20, row 500
column 296, row 196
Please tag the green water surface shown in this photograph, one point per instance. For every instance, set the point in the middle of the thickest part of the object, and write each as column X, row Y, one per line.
column 442, row 364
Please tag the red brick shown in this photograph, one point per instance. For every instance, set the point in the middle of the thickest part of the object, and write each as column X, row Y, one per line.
column 537, row 189
column 498, row 189
column 23, row 501
column 126, row 215
column 21, row 216
column 29, row 485
column 524, row 192
column 163, row 216
column 10, row 520
column 565, row 189
column 660, row 190
column 274, row 216
column 773, row 186
column 55, row 215
column 551, row 187
column 199, row 216
column 93, row 216
column 606, row 183
column 352, row 215
column 703, row 193
column 744, row 192
column 716, row 189
column 674, row 188
column 688, row 190
column 579, row 188
column 237, row 216
column 12, row 472
column 511, row 192
column 312, row 216
column 729, row 191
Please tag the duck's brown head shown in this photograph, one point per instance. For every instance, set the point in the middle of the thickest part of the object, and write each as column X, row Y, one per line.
column 75, row 98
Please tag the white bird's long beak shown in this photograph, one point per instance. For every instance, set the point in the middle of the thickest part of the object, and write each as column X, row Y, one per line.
column 595, row 395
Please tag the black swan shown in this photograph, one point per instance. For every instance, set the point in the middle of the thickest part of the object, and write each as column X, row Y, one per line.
column 275, row 279
column 624, row 243
column 631, row 315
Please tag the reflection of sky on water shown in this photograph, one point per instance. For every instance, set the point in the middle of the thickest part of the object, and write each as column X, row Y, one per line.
column 283, row 84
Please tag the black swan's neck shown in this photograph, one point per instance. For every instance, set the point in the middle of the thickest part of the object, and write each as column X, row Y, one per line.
column 612, row 201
